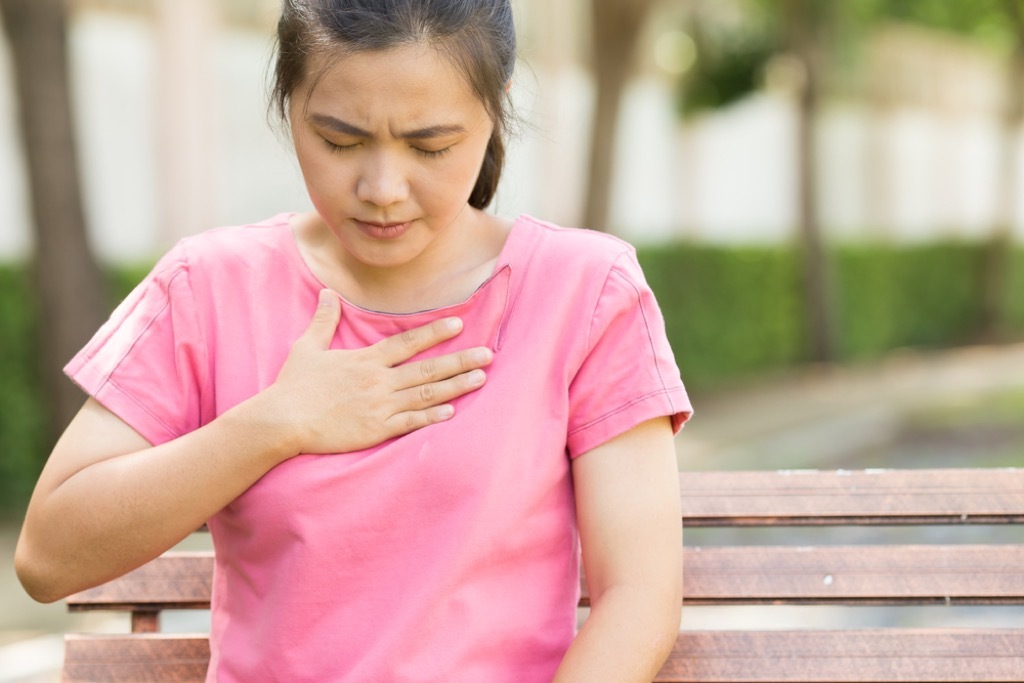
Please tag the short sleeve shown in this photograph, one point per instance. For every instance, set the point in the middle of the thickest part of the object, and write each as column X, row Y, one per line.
column 629, row 374
column 146, row 363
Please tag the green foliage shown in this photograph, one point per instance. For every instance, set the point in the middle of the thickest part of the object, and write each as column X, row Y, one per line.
column 726, row 71
column 21, row 417
column 732, row 53
column 23, row 443
column 1016, row 288
column 734, row 313
column 728, row 312
column 919, row 296
column 986, row 21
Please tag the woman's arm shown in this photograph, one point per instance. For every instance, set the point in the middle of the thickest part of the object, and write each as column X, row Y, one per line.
column 108, row 501
column 627, row 507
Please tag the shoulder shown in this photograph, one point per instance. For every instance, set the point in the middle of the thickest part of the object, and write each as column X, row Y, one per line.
column 593, row 257
column 236, row 242
column 579, row 243
column 575, row 252
column 230, row 251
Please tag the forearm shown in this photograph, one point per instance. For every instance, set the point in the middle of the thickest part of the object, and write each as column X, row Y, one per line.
column 118, row 513
column 630, row 632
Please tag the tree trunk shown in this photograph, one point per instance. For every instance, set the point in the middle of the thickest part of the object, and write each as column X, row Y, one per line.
column 999, row 251
column 68, row 283
column 616, row 31
column 819, row 298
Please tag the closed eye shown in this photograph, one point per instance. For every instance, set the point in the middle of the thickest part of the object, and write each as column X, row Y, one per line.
column 426, row 153
column 339, row 148
column 432, row 153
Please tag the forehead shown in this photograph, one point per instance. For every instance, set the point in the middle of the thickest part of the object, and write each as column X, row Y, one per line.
column 409, row 82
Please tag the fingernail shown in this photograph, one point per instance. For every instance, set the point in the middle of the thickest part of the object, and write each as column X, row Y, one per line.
column 482, row 356
column 477, row 377
column 446, row 412
column 325, row 297
column 453, row 324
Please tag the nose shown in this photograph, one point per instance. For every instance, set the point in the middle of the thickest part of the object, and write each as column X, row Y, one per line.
column 382, row 181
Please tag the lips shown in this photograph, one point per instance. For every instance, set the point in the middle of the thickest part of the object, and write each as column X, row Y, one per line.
column 382, row 231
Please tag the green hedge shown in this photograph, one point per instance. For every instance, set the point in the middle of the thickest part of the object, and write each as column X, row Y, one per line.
column 1017, row 288
column 927, row 296
column 729, row 312
column 732, row 313
column 21, row 419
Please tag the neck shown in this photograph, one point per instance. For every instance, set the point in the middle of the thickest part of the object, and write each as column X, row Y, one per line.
column 448, row 271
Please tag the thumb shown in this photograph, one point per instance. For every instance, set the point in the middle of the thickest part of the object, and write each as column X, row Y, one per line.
column 325, row 319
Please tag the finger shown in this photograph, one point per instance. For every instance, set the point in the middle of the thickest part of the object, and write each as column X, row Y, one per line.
column 426, row 396
column 325, row 320
column 410, row 421
column 402, row 347
column 443, row 367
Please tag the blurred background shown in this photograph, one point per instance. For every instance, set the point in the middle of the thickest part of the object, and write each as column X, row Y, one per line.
column 827, row 197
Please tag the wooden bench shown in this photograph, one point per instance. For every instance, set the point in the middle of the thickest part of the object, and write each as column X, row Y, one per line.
column 723, row 510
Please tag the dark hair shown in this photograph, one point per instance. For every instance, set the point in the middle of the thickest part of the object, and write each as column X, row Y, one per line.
column 479, row 35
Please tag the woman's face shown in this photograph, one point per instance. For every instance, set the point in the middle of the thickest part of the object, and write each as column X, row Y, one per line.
column 390, row 145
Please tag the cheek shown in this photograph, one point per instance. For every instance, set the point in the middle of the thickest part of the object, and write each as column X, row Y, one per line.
column 324, row 177
column 460, row 177
column 446, row 188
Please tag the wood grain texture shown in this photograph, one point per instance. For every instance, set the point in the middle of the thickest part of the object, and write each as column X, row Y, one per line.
column 138, row 658
column 876, row 575
column 146, row 621
column 175, row 580
column 916, row 655
column 699, row 656
column 949, row 496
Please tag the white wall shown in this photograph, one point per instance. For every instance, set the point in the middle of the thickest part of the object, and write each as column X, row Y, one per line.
column 907, row 173
column 14, row 237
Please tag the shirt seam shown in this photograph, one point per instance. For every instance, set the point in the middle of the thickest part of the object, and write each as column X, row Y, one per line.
column 597, row 302
column 202, row 368
column 650, row 338
column 665, row 391
column 140, row 406
column 107, row 376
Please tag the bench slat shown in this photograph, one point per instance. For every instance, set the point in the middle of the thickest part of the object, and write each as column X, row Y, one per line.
column 919, row 574
column 942, row 496
column 869, row 655
column 857, row 575
column 138, row 658
column 175, row 580
column 699, row 656
column 865, row 575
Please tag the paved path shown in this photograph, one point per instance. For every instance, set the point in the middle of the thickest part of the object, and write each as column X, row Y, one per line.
column 815, row 418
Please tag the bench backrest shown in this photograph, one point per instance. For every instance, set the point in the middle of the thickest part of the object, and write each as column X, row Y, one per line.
column 728, row 571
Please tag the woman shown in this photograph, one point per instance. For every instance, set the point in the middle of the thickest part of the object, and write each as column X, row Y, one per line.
column 400, row 415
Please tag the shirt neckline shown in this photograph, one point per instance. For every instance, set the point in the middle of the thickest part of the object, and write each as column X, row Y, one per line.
column 506, row 256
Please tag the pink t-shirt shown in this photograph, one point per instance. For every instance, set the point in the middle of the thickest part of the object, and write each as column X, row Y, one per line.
column 449, row 554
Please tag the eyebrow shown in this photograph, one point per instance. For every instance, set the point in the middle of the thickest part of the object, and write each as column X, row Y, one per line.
column 339, row 126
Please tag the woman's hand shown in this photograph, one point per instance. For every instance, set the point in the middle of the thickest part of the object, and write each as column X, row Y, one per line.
column 339, row 401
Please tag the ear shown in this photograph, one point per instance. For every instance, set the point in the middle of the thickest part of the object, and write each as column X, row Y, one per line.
column 508, row 86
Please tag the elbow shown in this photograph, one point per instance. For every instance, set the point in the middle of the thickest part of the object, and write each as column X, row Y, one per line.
column 655, row 616
column 39, row 583
column 666, row 624
column 668, row 633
